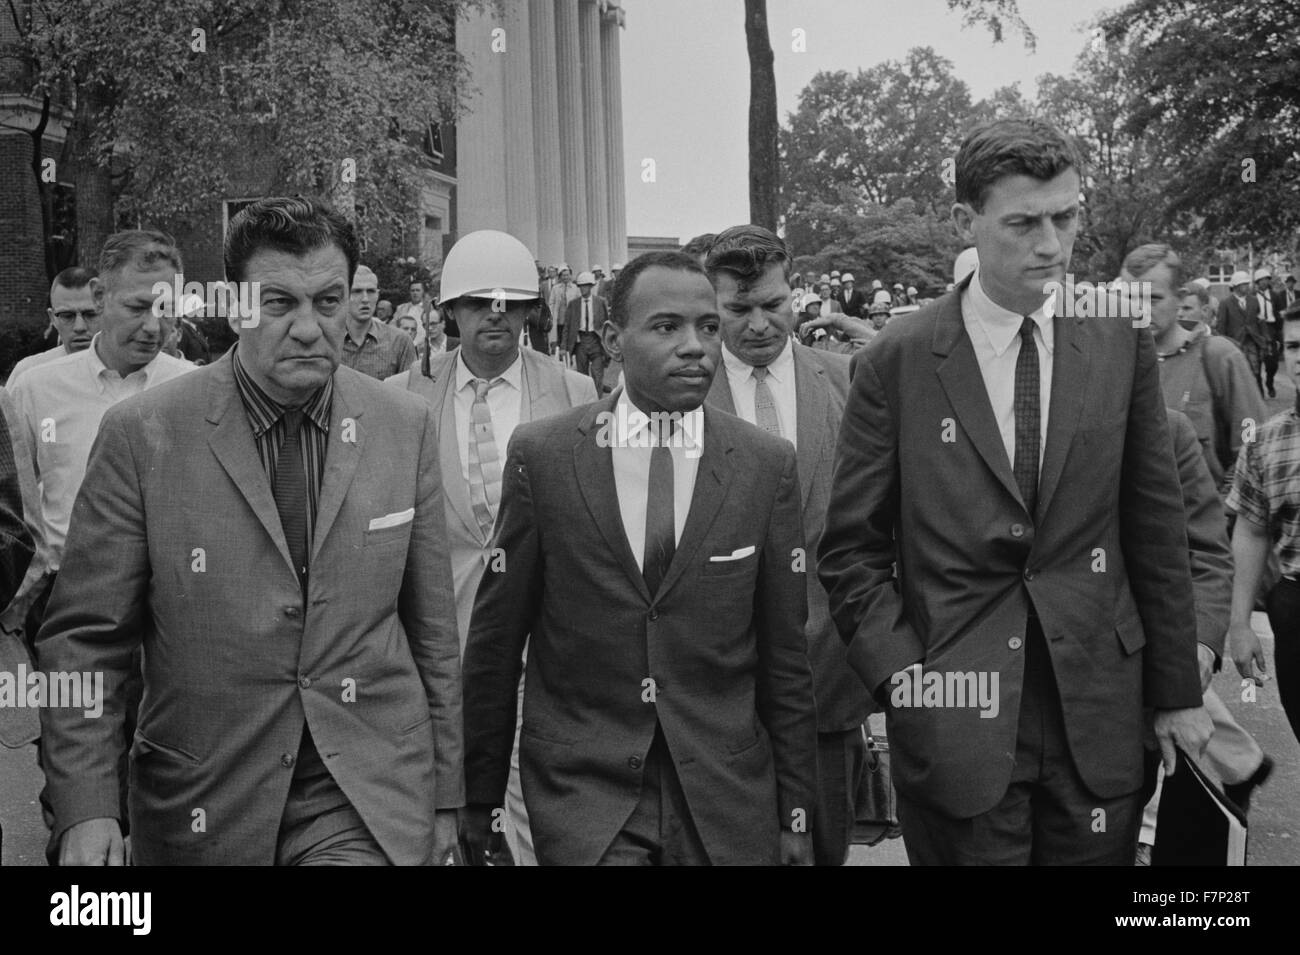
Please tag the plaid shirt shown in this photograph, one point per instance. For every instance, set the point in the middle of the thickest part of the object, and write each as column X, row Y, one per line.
column 267, row 420
column 383, row 352
column 1266, row 485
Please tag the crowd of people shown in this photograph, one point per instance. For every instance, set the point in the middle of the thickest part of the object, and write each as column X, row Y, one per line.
column 538, row 568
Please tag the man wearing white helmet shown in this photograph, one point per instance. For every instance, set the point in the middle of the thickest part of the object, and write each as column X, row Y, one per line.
column 851, row 300
column 1268, row 318
column 582, row 324
column 480, row 393
column 562, row 293
column 1239, row 319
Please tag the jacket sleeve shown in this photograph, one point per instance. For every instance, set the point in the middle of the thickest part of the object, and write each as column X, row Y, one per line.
column 1207, row 536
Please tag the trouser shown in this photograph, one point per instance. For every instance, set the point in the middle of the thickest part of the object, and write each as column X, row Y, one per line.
column 1047, row 816
column 1284, row 617
column 590, row 357
column 660, row 830
column 1269, row 360
column 841, row 761
column 319, row 826
column 1251, row 349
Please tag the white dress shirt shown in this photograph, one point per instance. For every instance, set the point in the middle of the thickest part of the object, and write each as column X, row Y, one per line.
column 1265, row 301
column 585, row 316
column 995, row 333
column 60, row 405
column 632, row 441
column 780, row 379
column 504, row 402
column 35, row 361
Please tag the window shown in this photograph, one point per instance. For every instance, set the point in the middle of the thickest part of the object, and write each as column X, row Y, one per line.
column 432, row 144
column 433, row 223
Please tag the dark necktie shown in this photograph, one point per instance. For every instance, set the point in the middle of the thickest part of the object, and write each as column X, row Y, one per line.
column 660, row 523
column 291, row 492
column 1027, row 412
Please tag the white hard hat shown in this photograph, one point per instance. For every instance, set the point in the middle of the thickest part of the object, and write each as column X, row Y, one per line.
column 488, row 264
column 598, row 268
column 1239, row 277
column 810, row 299
column 911, row 290
column 835, row 273
column 835, row 282
column 825, row 278
column 585, row 278
column 1202, row 283
column 882, row 297
column 875, row 284
column 967, row 262
column 616, row 267
column 1262, row 274
column 847, row 277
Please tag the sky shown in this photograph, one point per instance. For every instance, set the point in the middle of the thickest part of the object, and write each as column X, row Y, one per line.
column 685, row 75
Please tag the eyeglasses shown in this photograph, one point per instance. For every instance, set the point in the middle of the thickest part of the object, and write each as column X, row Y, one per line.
column 84, row 314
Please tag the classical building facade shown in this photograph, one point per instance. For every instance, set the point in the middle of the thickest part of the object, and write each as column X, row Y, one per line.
column 540, row 152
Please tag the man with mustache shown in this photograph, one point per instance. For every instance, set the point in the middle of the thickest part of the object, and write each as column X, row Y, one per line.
column 73, row 315
column 669, row 715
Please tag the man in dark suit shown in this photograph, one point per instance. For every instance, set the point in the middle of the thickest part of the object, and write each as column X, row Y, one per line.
column 1239, row 320
column 797, row 393
column 301, row 665
column 1285, row 296
column 1016, row 470
column 850, row 299
column 669, row 716
column 584, row 318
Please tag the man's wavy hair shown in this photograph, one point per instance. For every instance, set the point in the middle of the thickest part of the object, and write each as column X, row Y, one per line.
column 745, row 252
column 293, row 224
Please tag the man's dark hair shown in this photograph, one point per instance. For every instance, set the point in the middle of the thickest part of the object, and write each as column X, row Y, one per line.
column 1146, row 257
column 296, row 225
column 676, row 261
column 699, row 245
column 73, row 277
column 745, row 252
column 1011, row 147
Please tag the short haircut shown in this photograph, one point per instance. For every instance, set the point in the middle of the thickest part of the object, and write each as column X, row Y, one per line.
column 1146, row 257
column 1011, row 147
column 140, row 249
column 746, row 252
column 699, row 245
column 1203, row 296
column 675, row 261
column 73, row 277
column 296, row 225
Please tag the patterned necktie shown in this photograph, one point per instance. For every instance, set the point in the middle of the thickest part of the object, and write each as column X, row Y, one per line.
column 291, row 492
column 1027, row 415
column 765, row 404
column 484, row 459
column 660, row 522
column 586, row 314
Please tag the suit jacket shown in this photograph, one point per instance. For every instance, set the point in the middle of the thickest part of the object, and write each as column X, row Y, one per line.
column 573, row 318
column 1242, row 325
column 549, row 389
column 234, row 663
column 821, row 388
column 852, row 304
column 922, row 478
column 722, row 641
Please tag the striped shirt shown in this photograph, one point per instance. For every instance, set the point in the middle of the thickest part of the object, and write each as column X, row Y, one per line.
column 1266, row 485
column 384, row 351
column 267, row 420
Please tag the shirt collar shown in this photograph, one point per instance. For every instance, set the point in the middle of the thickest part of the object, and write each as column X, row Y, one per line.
column 99, row 370
column 633, row 427
column 371, row 332
column 1001, row 325
column 263, row 411
column 512, row 376
column 781, row 367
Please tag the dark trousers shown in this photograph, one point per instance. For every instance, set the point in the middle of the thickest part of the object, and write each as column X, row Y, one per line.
column 841, row 761
column 1047, row 816
column 1269, row 360
column 1253, row 352
column 1284, row 617
column 660, row 830
column 589, row 357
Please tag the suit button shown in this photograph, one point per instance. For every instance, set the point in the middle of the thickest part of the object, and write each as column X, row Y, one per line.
column 654, row 614
column 1030, row 574
column 1015, row 643
column 293, row 611
column 634, row 762
column 1017, row 530
column 287, row 760
column 304, row 682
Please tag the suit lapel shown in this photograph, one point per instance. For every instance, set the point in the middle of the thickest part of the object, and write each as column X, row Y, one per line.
column 232, row 444
column 1070, row 360
column 963, row 383
column 812, row 403
column 436, row 389
column 347, row 441
column 544, row 393
column 594, row 475
column 720, row 395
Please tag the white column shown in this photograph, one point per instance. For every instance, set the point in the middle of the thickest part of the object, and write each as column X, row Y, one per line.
column 613, row 107
column 521, row 184
column 481, row 141
column 573, row 170
column 546, row 135
column 593, row 115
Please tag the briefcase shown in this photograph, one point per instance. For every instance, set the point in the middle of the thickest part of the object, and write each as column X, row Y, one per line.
column 1197, row 824
column 876, row 805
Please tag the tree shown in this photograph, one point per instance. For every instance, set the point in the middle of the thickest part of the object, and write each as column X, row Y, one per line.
column 764, row 163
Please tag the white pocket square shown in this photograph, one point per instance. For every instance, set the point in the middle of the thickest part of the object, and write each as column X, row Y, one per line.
column 392, row 520
column 740, row 554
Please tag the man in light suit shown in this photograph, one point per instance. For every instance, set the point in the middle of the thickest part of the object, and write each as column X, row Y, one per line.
column 301, row 673
column 584, row 318
column 526, row 386
column 797, row 393
column 650, row 560
column 1006, row 523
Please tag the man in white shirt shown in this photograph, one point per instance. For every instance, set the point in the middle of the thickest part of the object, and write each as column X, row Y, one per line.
column 74, row 315
column 563, row 291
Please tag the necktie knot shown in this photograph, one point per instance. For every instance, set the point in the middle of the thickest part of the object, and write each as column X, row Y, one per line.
column 1027, row 329
column 760, row 372
column 482, row 386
